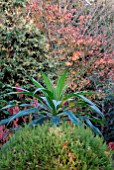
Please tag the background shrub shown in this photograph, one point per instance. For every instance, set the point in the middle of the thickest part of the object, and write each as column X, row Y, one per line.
column 63, row 147
column 80, row 37
column 108, row 131
column 23, row 49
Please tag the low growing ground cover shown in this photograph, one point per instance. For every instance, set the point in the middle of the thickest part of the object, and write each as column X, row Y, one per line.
column 64, row 147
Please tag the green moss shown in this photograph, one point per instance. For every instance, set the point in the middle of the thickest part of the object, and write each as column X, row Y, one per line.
column 58, row 148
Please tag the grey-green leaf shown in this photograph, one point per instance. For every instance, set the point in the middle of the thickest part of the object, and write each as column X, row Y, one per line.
column 55, row 120
column 24, row 113
column 72, row 117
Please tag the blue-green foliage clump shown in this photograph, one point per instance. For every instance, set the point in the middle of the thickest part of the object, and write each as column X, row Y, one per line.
column 59, row 148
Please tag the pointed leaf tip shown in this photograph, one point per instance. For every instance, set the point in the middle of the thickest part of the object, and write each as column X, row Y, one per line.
column 47, row 82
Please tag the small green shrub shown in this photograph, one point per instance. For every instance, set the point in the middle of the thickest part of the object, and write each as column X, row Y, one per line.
column 58, row 148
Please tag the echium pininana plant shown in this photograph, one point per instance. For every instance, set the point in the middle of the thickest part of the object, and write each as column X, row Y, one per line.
column 55, row 105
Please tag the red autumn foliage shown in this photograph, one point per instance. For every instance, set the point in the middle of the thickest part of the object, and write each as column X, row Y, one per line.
column 18, row 90
column 111, row 145
column 6, row 131
column 82, row 48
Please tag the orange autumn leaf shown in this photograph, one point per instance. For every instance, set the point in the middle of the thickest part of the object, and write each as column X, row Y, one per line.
column 59, row 132
column 81, row 42
column 54, row 38
column 61, row 20
column 68, row 63
column 73, row 72
column 82, row 17
column 98, row 43
column 73, row 86
column 71, row 155
column 65, row 144
column 62, row 57
column 90, row 52
column 76, row 56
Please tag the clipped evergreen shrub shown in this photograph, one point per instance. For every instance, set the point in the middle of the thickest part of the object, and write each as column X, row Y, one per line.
column 55, row 148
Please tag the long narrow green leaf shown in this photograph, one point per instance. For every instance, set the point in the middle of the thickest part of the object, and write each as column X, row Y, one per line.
column 36, row 83
column 38, row 90
column 47, row 82
column 45, row 92
column 60, row 88
column 97, row 120
column 19, row 88
column 43, row 112
column 95, row 130
column 3, row 101
column 4, row 121
column 25, row 105
column 85, row 99
column 96, row 109
column 24, row 113
column 85, row 93
column 40, row 87
column 19, row 114
column 39, row 120
column 71, row 116
column 40, row 99
column 92, row 105
column 69, row 96
column 27, row 93
column 6, row 107
column 50, row 104
column 79, row 95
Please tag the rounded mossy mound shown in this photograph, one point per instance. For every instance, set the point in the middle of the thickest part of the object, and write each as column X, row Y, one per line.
column 55, row 148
